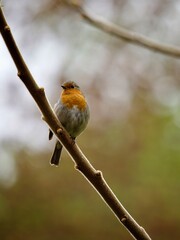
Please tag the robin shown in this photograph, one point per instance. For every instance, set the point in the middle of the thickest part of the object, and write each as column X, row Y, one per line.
column 73, row 112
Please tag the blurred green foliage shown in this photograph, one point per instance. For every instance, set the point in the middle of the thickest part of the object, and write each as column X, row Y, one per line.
column 139, row 159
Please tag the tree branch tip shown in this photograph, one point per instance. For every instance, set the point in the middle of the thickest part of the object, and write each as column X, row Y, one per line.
column 41, row 89
column 53, row 165
column 59, row 131
column 124, row 219
column 7, row 28
column 43, row 118
column 20, row 75
column 98, row 174
column 127, row 35
column 76, row 166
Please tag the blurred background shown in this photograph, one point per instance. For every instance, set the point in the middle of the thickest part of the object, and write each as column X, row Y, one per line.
column 133, row 136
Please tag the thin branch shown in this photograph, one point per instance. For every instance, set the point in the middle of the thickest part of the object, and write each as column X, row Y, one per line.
column 124, row 34
column 82, row 164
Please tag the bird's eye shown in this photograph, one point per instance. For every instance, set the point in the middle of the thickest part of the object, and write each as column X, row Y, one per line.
column 72, row 86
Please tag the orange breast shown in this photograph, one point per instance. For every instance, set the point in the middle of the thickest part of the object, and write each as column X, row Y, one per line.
column 73, row 97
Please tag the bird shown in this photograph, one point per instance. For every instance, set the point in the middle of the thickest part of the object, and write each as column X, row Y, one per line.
column 73, row 112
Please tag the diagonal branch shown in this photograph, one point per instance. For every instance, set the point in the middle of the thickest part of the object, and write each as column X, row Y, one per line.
column 124, row 34
column 82, row 164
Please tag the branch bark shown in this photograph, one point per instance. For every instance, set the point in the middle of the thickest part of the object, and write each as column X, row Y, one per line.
column 124, row 34
column 82, row 164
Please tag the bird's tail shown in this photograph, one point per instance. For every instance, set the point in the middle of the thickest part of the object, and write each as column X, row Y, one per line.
column 56, row 154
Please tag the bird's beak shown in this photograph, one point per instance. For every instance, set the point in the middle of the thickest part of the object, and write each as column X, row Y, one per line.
column 63, row 86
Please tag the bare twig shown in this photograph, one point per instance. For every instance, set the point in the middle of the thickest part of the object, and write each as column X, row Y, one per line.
column 124, row 34
column 82, row 164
